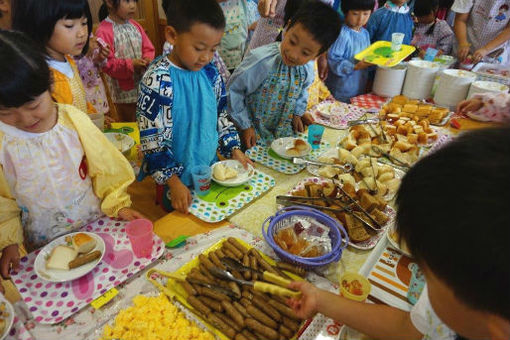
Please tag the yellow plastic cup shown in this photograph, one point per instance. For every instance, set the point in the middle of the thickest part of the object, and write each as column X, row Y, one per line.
column 365, row 286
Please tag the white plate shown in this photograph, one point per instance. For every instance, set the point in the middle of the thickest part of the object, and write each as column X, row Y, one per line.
column 281, row 145
column 56, row 275
column 9, row 319
column 389, row 235
column 122, row 142
column 477, row 117
column 243, row 175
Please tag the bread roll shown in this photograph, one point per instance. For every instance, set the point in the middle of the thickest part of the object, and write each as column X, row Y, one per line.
column 83, row 243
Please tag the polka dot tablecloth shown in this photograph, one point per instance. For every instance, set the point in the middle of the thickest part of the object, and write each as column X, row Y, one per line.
column 53, row 302
column 338, row 114
column 218, row 211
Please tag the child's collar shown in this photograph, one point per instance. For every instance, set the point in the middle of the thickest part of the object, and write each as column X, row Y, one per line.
column 394, row 8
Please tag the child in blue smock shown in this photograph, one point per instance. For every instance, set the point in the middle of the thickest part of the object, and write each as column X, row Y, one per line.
column 181, row 109
column 393, row 17
column 268, row 92
column 347, row 77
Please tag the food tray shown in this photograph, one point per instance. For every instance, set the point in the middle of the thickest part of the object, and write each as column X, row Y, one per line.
column 366, row 245
column 483, row 72
column 180, row 293
column 443, row 121
column 221, row 201
column 339, row 119
column 50, row 302
column 266, row 156
column 380, row 53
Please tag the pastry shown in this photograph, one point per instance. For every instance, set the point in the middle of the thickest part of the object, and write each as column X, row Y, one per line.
column 300, row 145
column 222, row 172
column 293, row 152
column 83, row 243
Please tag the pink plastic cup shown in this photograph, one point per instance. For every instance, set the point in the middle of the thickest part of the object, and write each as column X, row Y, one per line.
column 141, row 237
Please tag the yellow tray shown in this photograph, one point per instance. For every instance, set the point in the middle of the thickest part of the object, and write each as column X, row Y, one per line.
column 380, row 53
column 177, row 292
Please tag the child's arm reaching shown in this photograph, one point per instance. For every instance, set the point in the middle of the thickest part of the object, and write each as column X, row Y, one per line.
column 301, row 118
column 376, row 321
column 489, row 106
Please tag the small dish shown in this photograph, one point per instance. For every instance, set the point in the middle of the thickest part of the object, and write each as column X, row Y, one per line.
column 282, row 145
column 122, row 142
column 243, row 175
column 56, row 275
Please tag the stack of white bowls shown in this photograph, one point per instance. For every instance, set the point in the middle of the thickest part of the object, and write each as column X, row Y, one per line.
column 481, row 86
column 389, row 80
column 420, row 79
column 453, row 87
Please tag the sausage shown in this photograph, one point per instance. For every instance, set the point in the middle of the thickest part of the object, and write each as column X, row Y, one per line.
column 282, row 337
column 291, row 268
column 205, row 261
column 263, row 263
column 249, row 335
column 286, row 332
column 285, row 310
column 228, row 253
column 237, row 253
column 241, row 309
column 214, row 294
column 188, row 287
column 235, row 288
column 216, row 260
column 197, row 275
column 198, row 288
column 267, row 332
column 258, row 315
column 246, row 263
column 247, row 294
column 240, row 336
column 206, row 272
column 233, row 313
column 266, row 308
column 211, row 303
column 220, row 253
column 84, row 259
column 198, row 305
column 254, row 266
column 221, row 325
column 291, row 324
column 238, row 245
column 245, row 302
column 229, row 321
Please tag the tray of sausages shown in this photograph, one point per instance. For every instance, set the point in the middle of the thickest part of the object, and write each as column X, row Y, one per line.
column 234, row 310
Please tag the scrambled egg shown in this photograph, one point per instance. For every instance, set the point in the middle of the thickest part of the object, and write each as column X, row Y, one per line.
column 154, row 318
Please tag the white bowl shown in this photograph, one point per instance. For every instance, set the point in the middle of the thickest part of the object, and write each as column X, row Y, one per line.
column 243, row 175
column 122, row 142
column 281, row 145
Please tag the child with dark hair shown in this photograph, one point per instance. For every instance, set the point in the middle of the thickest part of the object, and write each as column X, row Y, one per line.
column 347, row 77
column 457, row 195
column 431, row 32
column 182, row 105
column 268, row 92
column 53, row 161
column 393, row 17
column 62, row 28
column 131, row 51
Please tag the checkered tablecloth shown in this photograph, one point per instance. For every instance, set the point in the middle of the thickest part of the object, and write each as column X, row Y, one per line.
column 368, row 101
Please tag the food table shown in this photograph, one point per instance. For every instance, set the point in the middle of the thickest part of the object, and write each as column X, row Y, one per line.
column 87, row 322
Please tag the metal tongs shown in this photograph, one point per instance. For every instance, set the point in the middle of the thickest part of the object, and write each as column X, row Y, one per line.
column 347, row 167
column 379, row 152
column 352, row 123
column 295, row 200
column 233, row 264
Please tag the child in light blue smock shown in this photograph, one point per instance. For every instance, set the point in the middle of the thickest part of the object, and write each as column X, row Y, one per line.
column 268, row 91
column 347, row 77
column 393, row 17
column 181, row 109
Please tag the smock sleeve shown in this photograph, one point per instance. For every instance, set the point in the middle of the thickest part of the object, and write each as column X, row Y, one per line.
column 11, row 231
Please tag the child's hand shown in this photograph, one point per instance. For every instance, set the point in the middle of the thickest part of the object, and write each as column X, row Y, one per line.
column 102, row 55
column 470, row 105
column 297, row 124
column 361, row 65
column 267, row 8
column 306, row 306
column 463, row 52
column 139, row 64
column 179, row 195
column 128, row 214
column 322, row 66
column 480, row 54
column 249, row 138
column 9, row 259
column 242, row 158
column 253, row 26
column 307, row 119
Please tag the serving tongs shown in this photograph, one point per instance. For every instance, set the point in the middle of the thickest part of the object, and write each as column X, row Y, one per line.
column 380, row 153
column 259, row 286
column 363, row 121
column 180, row 279
column 347, row 167
column 233, row 264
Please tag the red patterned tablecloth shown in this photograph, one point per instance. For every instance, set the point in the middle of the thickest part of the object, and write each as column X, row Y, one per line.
column 368, row 101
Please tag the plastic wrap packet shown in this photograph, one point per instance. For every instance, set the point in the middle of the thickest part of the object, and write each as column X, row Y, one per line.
column 304, row 237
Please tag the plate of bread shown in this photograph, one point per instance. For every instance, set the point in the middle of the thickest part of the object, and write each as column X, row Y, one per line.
column 290, row 147
column 6, row 317
column 69, row 257
column 400, row 107
column 231, row 173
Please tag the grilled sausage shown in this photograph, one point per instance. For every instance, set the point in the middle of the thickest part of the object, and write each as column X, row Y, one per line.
column 198, row 305
column 221, row 325
column 235, row 288
column 211, row 303
column 237, row 253
column 291, row 268
column 238, row 245
column 258, row 315
column 205, row 261
column 285, row 310
column 188, row 288
column 246, row 263
column 229, row 321
column 84, row 259
column 266, row 308
column 214, row 294
column 216, row 260
column 249, row 335
column 233, row 313
column 241, row 309
column 286, row 332
column 290, row 324
column 267, row 332
column 245, row 302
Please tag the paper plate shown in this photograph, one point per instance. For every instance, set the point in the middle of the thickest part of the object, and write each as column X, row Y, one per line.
column 243, row 175
column 281, row 145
